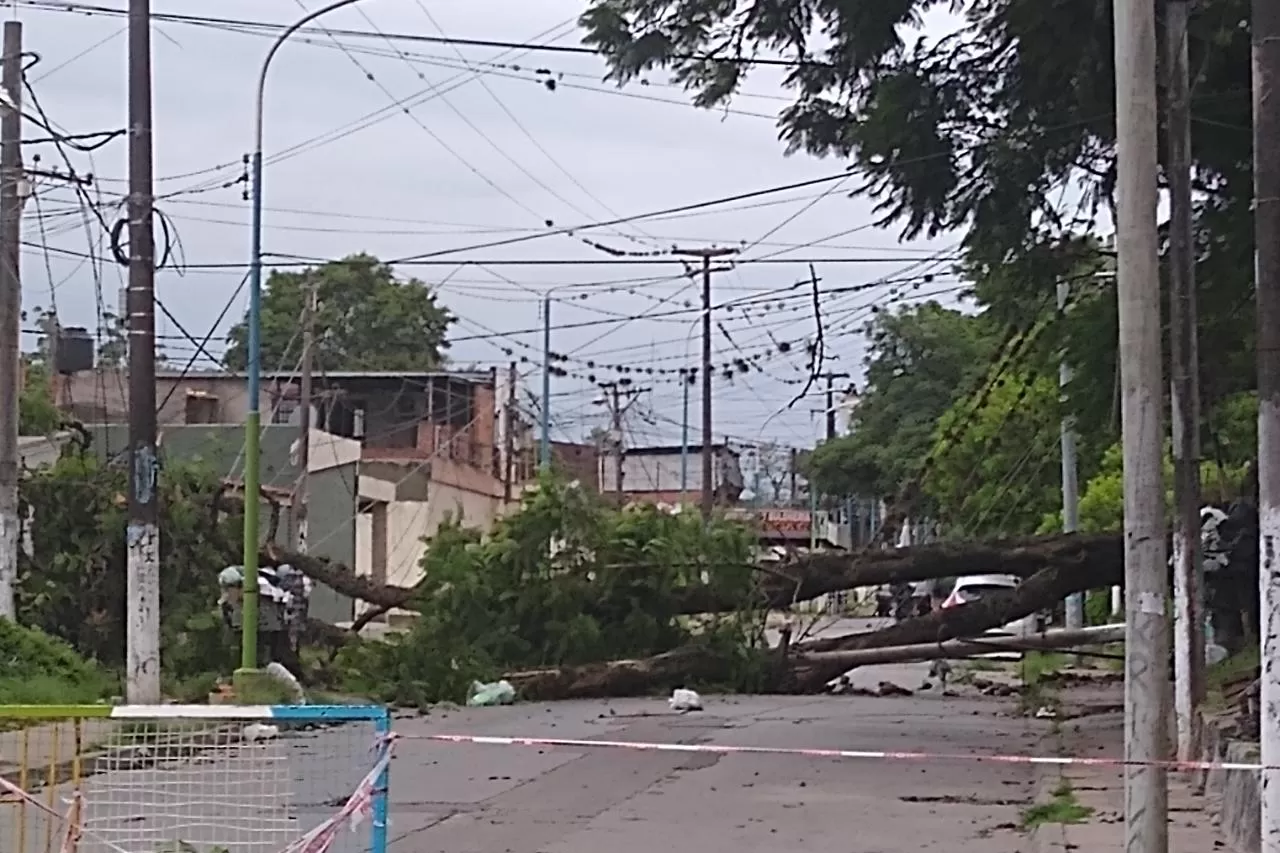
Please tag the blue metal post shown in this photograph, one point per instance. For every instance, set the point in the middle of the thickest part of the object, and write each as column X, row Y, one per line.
column 378, row 843
column 253, row 419
column 545, row 455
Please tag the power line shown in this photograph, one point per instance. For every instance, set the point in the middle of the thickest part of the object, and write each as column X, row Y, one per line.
column 243, row 24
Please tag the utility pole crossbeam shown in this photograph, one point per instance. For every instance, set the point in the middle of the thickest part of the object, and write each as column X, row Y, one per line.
column 708, row 456
column 11, row 176
column 1070, row 481
column 302, row 490
column 1142, row 395
column 1266, row 218
column 142, row 666
column 1184, row 393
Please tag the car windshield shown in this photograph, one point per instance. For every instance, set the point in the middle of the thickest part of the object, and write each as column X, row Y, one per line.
column 973, row 592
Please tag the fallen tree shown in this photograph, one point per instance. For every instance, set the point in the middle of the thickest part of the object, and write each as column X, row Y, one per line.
column 809, row 667
column 1089, row 560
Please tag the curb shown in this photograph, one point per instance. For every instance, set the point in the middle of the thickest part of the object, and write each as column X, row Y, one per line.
column 1048, row 837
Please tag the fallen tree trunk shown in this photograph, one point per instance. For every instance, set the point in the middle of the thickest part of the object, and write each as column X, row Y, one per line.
column 973, row 647
column 809, row 576
column 1041, row 591
column 683, row 667
column 825, row 572
column 814, row 664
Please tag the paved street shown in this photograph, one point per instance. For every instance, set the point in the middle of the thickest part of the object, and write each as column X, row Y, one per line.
column 491, row 799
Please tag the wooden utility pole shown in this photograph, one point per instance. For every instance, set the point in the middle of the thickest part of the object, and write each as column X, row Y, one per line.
column 1184, row 391
column 831, row 401
column 302, row 490
column 142, row 666
column 509, row 433
column 618, row 398
column 791, row 475
column 1266, row 223
column 1142, row 434
column 10, row 312
column 708, row 440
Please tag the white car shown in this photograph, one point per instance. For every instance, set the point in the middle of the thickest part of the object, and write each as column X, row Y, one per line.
column 973, row 588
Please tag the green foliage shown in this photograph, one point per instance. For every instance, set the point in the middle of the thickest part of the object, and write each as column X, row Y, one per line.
column 72, row 585
column 37, row 415
column 564, row 580
column 983, row 128
column 921, row 360
column 37, row 669
column 1002, row 128
column 1000, row 475
column 366, row 319
column 1102, row 499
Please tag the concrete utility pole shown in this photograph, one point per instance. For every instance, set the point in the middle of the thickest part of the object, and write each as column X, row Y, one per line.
column 142, row 667
column 1142, row 386
column 10, row 313
column 302, row 491
column 1266, row 223
column 708, row 441
column 1070, row 480
column 1184, row 392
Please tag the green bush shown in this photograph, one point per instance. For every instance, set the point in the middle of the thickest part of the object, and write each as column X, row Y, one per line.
column 563, row 581
column 72, row 583
column 37, row 669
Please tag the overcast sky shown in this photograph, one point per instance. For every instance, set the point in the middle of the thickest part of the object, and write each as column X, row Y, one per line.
column 493, row 158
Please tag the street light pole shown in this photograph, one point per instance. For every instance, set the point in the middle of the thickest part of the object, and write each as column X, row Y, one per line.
column 253, row 420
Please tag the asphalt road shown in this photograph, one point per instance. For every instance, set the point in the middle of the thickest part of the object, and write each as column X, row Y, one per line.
column 515, row 799
column 512, row 799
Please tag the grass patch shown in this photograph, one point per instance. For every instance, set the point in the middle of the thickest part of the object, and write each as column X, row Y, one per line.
column 1233, row 670
column 37, row 669
column 1036, row 666
column 983, row 665
column 1062, row 808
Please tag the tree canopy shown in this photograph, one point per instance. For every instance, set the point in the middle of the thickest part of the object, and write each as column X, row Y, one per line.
column 37, row 415
column 988, row 122
column 366, row 319
column 921, row 360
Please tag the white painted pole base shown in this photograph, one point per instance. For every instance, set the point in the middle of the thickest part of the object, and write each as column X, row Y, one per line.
column 142, row 656
column 9, row 564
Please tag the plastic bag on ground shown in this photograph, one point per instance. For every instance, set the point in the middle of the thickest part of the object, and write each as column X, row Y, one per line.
column 286, row 679
column 484, row 695
column 685, row 700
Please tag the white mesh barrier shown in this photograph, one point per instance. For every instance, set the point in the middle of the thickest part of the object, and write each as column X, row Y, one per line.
column 194, row 779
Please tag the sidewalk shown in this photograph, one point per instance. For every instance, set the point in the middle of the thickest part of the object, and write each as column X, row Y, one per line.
column 1091, row 799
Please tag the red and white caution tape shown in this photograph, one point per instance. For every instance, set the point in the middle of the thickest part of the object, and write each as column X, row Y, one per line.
column 874, row 755
column 358, row 807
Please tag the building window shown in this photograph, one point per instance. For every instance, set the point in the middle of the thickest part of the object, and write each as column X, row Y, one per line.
column 283, row 411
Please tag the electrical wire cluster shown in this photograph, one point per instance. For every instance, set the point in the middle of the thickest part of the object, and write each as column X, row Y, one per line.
column 775, row 330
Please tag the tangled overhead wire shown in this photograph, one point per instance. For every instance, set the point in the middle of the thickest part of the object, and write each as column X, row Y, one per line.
column 170, row 256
